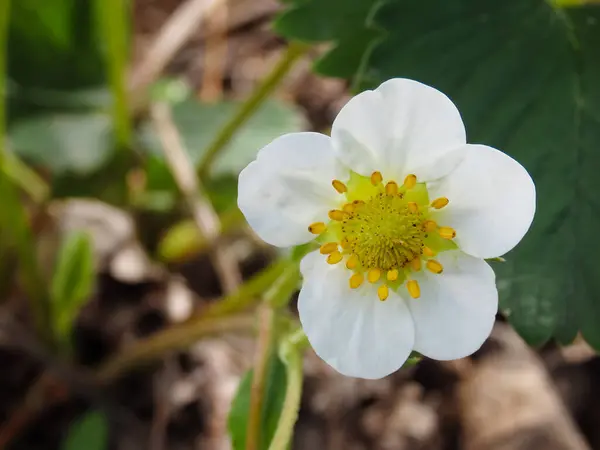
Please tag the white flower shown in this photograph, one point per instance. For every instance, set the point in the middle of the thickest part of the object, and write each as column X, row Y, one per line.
column 405, row 211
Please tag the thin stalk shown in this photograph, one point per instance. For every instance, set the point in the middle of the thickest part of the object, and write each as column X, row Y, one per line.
column 179, row 337
column 291, row 352
column 276, row 297
column 113, row 20
column 292, row 54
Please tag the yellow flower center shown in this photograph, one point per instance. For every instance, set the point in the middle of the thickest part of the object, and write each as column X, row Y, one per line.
column 384, row 232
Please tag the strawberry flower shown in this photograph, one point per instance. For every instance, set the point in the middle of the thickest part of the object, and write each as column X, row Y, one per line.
column 405, row 213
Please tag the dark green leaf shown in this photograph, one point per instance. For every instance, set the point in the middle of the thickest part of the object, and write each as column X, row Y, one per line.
column 347, row 23
column 198, row 123
column 72, row 282
column 273, row 402
column 76, row 143
column 89, row 432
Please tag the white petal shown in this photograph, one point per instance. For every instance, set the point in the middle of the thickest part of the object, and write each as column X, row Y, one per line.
column 457, row 308
column 399, row 128
column 492, row 202
column 351, row 329
column 288, row 187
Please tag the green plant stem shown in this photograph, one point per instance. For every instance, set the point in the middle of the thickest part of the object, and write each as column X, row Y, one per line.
column 250, row 291
column 213, row 320
column 25, row 178
column 179, row 337
column 294, row 51
column 290, row 352
column 14, row 224
column 113, row 20
column 264, row 346
column 277, row 296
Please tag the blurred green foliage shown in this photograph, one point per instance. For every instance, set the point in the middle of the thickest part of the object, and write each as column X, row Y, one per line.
column 71, row 285
column 88, row 432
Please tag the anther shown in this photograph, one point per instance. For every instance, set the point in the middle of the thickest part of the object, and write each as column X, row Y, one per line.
column 356, row 280
column 416, row 264
column 434, row 266
column 339, row 186
column 410, row 181
column 374, row 275
column 392, row 275
column 429, row 226
column 345, row 244
column 413, row 288
column 376, row 178
column 336, row 214
column 352, row 262
column 413, row 207
column 447, row 232
column 428, row 252
column 358, row 202
column 439, row 203
column 383, row 292
column 391, row 188
column 317, row 228
column 348, row 207
column 328, row 248
column 334, row 258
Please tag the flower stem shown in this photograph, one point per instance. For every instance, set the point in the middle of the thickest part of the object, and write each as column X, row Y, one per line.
column 113, row 20
column 173, row 338
column 264, row 345
column 294, row 51
column 291, row 351
column 277, row 296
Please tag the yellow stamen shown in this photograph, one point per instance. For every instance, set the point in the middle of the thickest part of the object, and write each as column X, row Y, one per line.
column 334, row 258
column 317, row 228
column 383, row 292
column 339, row 186
column 391, row 188
column 392, row 275
column 336, row 214
column 345, row 244
column 376, row 178
column 328, row 248
column 429, row 226
column 413, row 288
column 358, row 202
column 428, row 252
column 348, row 207
column 447, row 232
column 410, row 181
column 413, row 207
column 435, row 266
column 439, row 203
column 374, row 275
column 352, row 262
column 416, row 264
column 356, row 280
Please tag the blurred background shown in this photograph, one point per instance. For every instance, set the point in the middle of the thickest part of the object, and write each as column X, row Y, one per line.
column 120, row 120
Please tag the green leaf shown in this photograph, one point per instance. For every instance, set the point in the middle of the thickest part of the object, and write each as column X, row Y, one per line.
column 72, row 282
column 89, row 432
column 275, row 385
column 198, row 124
column 74, row 143
column 528, row 84
column 347, row 23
